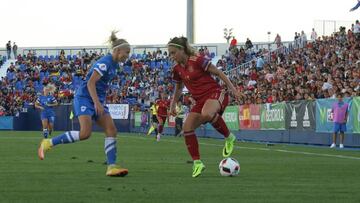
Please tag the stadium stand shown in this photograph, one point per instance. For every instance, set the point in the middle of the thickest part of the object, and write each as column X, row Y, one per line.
column 298, row 71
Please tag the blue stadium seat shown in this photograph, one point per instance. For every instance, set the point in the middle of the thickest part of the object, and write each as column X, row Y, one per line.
column 212, row 55
column 152, row 64
column 52, row 57
column 68, row 57
column 139, row 56
column 74, row 57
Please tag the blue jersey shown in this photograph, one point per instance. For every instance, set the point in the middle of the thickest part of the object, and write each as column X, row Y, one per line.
column 107, row 68
column 44, row 101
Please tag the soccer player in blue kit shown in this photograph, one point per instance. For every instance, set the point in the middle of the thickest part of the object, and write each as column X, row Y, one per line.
column 89, row 103
column 45, row 103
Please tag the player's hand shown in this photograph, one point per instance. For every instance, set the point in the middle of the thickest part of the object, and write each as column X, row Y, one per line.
column 99, row 109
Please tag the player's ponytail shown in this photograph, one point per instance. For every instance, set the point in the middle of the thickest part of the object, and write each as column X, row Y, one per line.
column 115, row 42
column 182, row 43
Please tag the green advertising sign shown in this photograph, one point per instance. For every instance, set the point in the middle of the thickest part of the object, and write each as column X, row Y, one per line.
column 273, row 116
column 231, row 117
column 355, row 113
column 137, row 119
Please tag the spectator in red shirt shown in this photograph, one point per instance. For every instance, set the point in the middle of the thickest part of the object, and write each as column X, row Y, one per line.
column 233, row 42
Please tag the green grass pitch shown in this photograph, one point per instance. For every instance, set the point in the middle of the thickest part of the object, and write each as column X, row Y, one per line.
column 159, row 172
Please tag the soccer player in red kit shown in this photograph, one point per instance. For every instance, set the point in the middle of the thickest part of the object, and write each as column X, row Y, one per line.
column 195, row 72
column 163, row 105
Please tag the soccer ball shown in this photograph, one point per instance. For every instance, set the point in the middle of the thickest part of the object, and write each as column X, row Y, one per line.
column 229, row 167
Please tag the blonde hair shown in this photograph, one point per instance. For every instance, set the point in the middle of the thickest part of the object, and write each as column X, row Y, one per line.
column 182, row 43
column 115, row 42
column 50, row 88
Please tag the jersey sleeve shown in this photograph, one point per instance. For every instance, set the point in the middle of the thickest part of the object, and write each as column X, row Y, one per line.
column 175, row 76
column 101, row 68
column 203, row 62
column 53, row 99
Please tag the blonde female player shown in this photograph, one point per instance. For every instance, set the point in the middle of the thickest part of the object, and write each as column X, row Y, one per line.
column 46, row 103
column 89, row 104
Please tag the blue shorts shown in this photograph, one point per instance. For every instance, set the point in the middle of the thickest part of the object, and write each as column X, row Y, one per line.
column 339, row 127
column 50, row 116
column 85, row 106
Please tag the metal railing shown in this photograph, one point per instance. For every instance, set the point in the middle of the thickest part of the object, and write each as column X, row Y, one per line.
column 286, row 47
column 68, row 51
column 141, row 49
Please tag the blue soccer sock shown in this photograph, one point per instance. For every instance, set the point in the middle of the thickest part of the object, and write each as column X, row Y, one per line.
column 110, row 150
column 65, row 138
column 45, row 133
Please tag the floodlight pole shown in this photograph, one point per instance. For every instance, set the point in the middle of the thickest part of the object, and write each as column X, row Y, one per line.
column 190, row 21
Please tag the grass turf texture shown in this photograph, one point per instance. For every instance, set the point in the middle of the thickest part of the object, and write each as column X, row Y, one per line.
column 159, row 172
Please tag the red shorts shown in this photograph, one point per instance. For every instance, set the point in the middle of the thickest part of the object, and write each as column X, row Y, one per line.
column 221, row 96
column 162, row 117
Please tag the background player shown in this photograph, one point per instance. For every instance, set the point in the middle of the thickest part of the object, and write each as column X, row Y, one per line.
column 154, row 120
column 163, row 105
column 46, row 103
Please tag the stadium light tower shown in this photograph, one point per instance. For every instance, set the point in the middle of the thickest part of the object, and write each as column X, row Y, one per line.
column 190, row 21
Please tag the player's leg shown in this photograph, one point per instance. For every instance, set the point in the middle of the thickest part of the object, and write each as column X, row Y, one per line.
column 44, row 123
column 107, row 123
column 160, row 129
column 51, row 121
column 342, row 135
column 336, row 130
column 210, row 113
column 192, row 122
column 68, row 137
column 152, row 127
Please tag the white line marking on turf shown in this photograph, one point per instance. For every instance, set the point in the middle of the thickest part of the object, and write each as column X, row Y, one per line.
column 216, row 145
column 263, row 149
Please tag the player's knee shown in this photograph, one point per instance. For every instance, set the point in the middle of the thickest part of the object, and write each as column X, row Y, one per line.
column 112, row 132
column 207, row 116
column 84, row 134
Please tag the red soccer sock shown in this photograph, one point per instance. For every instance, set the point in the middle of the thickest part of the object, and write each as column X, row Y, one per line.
column 192, row 145
column 219, row 124
column 160, row 128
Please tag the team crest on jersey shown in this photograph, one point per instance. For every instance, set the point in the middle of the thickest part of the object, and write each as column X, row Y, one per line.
column 102, row 66
column 83, row 108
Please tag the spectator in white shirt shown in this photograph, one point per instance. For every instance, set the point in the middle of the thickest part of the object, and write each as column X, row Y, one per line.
column 314, row 35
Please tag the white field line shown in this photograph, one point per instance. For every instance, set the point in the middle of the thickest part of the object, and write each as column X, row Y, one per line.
column 262, row 149
column 217, row 145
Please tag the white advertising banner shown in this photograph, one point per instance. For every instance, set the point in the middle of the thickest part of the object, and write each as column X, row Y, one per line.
column 118, row 111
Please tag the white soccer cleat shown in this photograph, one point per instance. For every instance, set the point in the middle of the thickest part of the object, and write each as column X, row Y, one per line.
column 333, row 145
column 158, row 136
column 341, row 146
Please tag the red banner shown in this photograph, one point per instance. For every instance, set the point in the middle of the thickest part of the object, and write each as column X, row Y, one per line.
column 249, row 117
column 171, row 121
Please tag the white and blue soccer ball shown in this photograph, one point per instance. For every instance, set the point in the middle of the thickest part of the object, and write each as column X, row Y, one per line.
column 229, row 167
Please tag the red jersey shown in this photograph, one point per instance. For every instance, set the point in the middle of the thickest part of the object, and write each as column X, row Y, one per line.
column 163, row 106
column 195, row 77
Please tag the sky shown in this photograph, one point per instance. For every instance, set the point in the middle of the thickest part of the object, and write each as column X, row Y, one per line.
column 39, row 23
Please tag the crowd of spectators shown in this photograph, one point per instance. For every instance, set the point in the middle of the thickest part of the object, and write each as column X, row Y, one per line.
column 311, row 70
column 314, row 69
